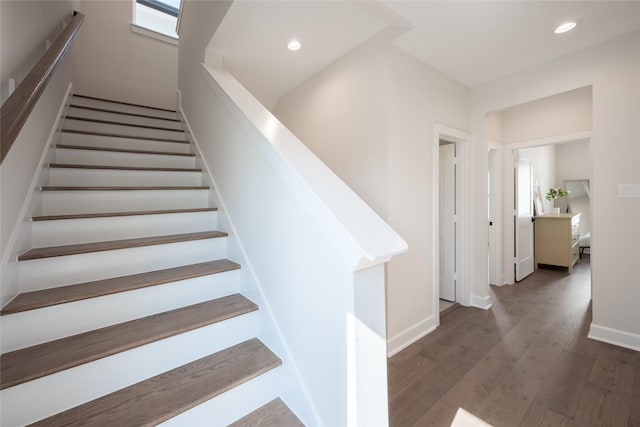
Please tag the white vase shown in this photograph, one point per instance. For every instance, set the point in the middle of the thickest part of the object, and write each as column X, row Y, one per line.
column 555, row 211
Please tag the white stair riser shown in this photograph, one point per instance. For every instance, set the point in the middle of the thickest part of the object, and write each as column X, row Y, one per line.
column 107, row 177
column 71, row 269
column 124, row 108
column 70, row 202
column 109, row 158
column 124, row 118
column 86, row 230
column 33, row 327
column 37, row 399
column 233, row 404
column 86, row 140
column 122, row 129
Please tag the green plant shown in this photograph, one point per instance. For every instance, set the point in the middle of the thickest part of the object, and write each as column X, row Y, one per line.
column 556, row 192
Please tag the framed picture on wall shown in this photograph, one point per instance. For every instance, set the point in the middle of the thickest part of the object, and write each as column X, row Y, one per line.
column 537, row 201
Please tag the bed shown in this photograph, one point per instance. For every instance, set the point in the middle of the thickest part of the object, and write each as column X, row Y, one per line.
column 585, row 243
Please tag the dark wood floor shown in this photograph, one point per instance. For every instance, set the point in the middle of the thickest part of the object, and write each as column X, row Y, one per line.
column 525, row 362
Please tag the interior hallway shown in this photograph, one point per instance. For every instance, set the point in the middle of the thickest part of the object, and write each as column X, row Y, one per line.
column 525, row 362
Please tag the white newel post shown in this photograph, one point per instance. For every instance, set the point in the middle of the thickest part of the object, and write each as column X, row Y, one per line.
column 367, row 347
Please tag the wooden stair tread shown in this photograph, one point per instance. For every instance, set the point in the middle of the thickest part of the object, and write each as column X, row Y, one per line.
column 111, row 122
column 124, row 168
column 122, row 102
column 273, row 414
column 83, row 248
column 112, row 214
column 124, row 188
column 164, row 396
column 124, row 113
column 44, row 359
column 123, row 150
column 119, row 135
column 64, row 294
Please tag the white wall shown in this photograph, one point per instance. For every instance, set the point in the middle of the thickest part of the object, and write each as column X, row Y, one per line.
column 24, row 27
column 573, row 162
column 611, row 69
column 341, row 115
column 110, row 61
column 19, row 170
column 370, row 117
column 544, row 169
column 561, row 114
column 494, row 127
column 419, row 97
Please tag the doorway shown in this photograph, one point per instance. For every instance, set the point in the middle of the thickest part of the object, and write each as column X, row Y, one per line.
column 552, row 163
column 450, row 228
column 448, row 222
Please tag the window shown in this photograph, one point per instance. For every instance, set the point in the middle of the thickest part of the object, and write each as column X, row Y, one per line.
column 157, row 19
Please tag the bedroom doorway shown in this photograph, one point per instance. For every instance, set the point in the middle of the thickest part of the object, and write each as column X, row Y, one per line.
column 563, row 163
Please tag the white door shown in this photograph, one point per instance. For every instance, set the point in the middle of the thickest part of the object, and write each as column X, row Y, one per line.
column 524, row 218
column 447, row 222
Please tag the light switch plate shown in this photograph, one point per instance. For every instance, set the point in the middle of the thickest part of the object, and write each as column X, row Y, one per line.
column 628, row 190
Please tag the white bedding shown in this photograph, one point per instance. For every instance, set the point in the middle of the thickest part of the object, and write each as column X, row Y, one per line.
column 585, row 241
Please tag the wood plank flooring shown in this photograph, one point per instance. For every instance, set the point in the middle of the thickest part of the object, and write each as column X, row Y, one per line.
column 525, row 362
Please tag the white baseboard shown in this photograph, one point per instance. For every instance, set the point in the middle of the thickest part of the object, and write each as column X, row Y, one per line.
column 410, row 335
column 481, row 302
column 615, row 337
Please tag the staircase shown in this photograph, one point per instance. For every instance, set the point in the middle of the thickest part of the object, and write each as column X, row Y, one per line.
column 130, row 313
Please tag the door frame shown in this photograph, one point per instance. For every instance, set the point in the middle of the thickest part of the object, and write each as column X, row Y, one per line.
column 496, row 274
column 509, row 191
column 462, row 139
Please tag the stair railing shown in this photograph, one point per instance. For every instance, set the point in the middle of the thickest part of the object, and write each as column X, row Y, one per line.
column 17, row 108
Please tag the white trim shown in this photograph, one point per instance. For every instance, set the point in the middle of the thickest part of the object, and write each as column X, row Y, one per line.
column 496, row 270
column 246, row 265
column 410, row 335
column 483, row 302
column 556, row 139
column 153, row 34
column 179, row 18
column 614, row 336
column 462, row 140
column 15, row 232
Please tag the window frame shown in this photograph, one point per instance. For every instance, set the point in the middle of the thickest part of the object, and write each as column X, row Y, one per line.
column 151, row 32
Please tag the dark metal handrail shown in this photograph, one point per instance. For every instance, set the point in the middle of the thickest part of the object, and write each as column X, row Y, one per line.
column 16, row 109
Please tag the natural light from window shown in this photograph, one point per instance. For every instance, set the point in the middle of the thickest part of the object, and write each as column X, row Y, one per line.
column 157, row 19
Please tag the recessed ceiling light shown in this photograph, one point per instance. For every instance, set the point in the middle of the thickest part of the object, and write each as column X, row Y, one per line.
column 563, row 28
column 294, row 45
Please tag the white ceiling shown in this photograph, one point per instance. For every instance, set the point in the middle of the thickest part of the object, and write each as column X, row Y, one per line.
column 472, row 41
